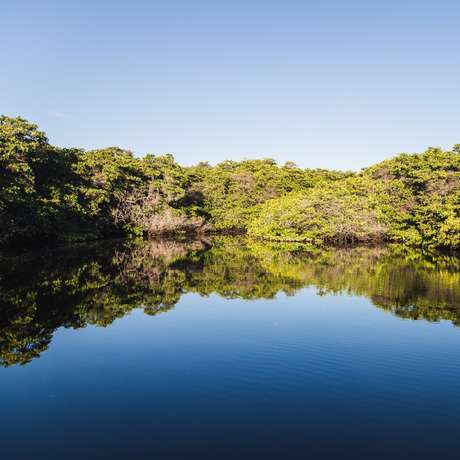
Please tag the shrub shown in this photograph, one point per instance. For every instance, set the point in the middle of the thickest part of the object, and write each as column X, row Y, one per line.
column 146, row 211
column 331, row 215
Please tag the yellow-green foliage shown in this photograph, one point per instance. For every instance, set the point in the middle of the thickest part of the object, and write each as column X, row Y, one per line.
column 50, row 193
column 231, row 190
column 411, row 199
column 331, row 213
column 420, row 195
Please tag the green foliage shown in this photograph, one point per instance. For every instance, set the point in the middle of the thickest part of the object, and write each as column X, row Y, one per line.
column 420, row 196
column 47, row 193
column 107, row 175
column 339, row 213
column 55, row 194
column 38, row 187
column 232, row 190
column 411, row 199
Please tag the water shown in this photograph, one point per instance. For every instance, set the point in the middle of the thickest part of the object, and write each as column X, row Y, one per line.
column 229, row 350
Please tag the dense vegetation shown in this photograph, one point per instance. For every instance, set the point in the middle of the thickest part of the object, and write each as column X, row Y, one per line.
column 94, row 284
column 61, row 194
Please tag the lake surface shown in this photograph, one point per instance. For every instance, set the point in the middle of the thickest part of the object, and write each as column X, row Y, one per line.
column 227, row 349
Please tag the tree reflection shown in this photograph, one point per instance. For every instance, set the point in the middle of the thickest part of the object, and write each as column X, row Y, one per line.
column 96, row 284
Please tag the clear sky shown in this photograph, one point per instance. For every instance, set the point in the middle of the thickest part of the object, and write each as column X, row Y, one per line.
column 336, row 84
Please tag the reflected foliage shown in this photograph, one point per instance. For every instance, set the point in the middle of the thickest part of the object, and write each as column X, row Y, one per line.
column 95, row 284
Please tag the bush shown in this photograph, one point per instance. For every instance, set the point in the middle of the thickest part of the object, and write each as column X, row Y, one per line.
column 326, row 215
column 51, row 193
column 146, row 211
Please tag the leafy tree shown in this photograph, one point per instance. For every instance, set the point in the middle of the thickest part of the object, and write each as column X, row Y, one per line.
column 232, row 190
column 420, row 195
column 341, row 213
column 22, row 148
column 55, row 194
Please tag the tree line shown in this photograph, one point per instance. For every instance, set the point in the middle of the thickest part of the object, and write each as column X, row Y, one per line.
column 54, row 194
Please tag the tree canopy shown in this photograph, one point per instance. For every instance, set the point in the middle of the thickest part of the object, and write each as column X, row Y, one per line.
column 52, row 194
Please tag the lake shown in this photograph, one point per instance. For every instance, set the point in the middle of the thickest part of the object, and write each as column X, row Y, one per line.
column 229, row 349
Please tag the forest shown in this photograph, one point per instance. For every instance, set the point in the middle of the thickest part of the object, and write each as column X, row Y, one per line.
column 53, row 195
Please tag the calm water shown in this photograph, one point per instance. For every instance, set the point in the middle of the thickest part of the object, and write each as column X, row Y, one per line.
column 227, row 349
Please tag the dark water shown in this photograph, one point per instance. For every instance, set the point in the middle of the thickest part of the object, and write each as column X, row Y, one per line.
column 228, row 349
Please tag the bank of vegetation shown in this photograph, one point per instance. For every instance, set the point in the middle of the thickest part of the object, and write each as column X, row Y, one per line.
column 53, row 194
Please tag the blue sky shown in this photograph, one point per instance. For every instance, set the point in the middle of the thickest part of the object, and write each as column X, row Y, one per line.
column 336, row 84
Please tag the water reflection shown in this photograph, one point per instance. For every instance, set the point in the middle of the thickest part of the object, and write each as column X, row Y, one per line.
column 96, row 284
